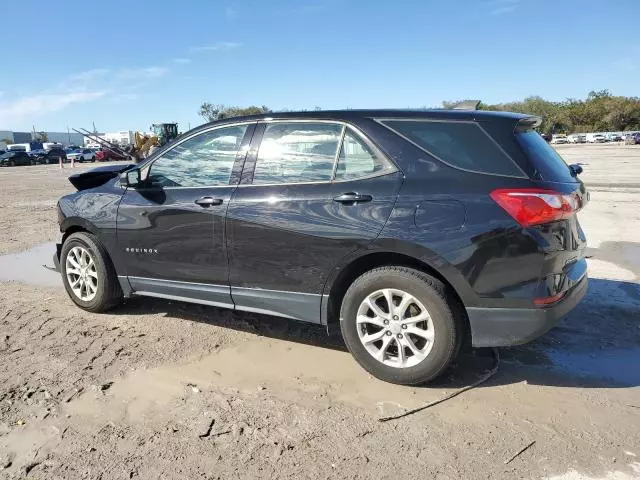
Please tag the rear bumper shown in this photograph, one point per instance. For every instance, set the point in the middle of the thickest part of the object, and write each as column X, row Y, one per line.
column 503, row 327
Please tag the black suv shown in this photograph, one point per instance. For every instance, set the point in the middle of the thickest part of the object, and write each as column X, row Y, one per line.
column 53, row 155
column 412, row 230
column 13, row 158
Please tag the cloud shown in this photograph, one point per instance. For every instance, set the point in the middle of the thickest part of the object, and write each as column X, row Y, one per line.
column 141, row 73
column 126, row 96
column 89, row 74
column 181, row 61
column 501, row 7
column 216, row 46
column 230, row 13
column 38, row 105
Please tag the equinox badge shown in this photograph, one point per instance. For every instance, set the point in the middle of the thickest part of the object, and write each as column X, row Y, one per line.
column 141, row 250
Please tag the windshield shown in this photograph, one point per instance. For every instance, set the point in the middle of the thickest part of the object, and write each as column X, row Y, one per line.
column 7, row 155
column 547, row 162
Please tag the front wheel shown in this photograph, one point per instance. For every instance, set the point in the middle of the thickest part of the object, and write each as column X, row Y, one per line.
column 401, row 325
column 88, row 274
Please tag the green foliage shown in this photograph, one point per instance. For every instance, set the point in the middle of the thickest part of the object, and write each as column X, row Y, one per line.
column 41, row 137
column 599, row 112
column 7, row 141
column 213, row 112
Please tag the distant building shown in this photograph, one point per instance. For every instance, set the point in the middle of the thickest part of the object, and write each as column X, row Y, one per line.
column 22, row 137
column 66, row 138
column 125, row 137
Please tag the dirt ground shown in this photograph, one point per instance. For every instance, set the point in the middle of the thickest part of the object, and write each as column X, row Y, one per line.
column 160, row 389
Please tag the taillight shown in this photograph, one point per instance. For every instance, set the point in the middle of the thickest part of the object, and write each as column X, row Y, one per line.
column 533, row 206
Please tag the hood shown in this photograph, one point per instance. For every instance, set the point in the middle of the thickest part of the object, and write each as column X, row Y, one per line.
column 97, row 176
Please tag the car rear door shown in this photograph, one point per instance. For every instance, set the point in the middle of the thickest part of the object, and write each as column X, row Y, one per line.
column 171, row 230
column 289, row 222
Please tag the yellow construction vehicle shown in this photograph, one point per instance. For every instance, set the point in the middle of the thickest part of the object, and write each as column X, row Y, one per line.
column 163, row 133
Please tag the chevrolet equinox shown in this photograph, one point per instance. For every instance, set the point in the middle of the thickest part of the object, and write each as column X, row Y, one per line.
column 414, row 231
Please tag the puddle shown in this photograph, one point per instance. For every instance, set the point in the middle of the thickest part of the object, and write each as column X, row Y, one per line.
column 27, row 267
column 620, row 366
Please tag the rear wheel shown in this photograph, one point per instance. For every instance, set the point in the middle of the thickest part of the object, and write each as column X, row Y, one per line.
column 401, row 325
column 88, row 274
column 12, row 163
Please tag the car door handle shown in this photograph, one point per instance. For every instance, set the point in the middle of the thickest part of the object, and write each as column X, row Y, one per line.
column 208, row 201
column 352, row 197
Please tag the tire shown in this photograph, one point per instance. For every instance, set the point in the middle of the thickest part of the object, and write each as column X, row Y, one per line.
column 12, row 163
column 444, row 322
column 93, row 159
column 108, row 293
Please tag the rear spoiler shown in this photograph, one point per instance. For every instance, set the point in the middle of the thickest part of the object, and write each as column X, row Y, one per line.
column 467, row 105
column 528, row 123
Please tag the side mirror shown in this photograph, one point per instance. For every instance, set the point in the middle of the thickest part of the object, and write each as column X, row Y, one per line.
column 576, row 169
column 130, row 178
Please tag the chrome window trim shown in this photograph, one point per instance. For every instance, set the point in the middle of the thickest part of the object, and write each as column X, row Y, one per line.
column 381, row 121
column 146, row 165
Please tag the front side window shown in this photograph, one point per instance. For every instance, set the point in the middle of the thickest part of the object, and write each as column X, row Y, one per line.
column 462, row 145
column 201, row 161
column 297, row 152
column 357, row 160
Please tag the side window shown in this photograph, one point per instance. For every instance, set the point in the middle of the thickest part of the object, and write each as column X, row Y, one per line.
column 358, row 160
column 459, row 144
column 297, row 152
column 202, row 161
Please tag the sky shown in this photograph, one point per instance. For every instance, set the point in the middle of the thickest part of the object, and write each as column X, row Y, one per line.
column 125, row 64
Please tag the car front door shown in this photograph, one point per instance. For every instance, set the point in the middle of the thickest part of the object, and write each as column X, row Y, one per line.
column 23, row 159
column 289, row 224
column 171, row 228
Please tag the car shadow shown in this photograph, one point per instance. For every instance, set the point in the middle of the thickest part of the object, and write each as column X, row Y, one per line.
column 596, row 346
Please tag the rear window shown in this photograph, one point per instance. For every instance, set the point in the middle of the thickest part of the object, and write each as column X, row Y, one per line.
column 549, row 164
column 462, row 145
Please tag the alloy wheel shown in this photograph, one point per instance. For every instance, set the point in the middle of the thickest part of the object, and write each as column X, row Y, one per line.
column 81, row 274
column 395, row 328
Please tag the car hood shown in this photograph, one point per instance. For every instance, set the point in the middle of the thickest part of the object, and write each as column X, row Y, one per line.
column 97, row 176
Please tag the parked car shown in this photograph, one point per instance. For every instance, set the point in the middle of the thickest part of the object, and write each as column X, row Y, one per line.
column 632, row 139
column 14, row 158
column 577, row 138
column 51, row 156
column 411, row 231
column 108, row 154
column 559, row 139
column 613, row 137
column 82, row 155
column 596, row 138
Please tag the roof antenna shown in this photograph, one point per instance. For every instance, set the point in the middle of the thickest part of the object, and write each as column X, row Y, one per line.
column 467, row 105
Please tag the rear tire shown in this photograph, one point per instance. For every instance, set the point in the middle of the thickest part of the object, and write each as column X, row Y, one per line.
column 421, row 296
column 88, row 274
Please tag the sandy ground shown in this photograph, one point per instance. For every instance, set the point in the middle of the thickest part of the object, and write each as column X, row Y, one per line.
column 160, row 389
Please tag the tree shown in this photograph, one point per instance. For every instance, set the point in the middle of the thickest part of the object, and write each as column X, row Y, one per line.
column 599, row 112
column 41, row 137
column 7, row 141
column 212, row 112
